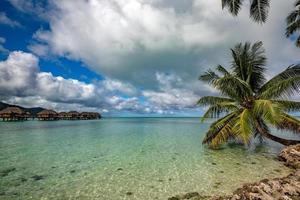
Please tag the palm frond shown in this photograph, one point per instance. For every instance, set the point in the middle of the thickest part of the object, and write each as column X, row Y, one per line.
column 259, row 10
column 288, row 106
column 289, row 123
column 284, row 82
column 220, row 130
column 233, row 87
column 209, row 77
column 211, row 100
column 222, row 70
column 285, row 88
column 293, row 23
column 257, row 66
column 292, row 17
column 216, row 110
column 267, row 110
column 228, row 85
column 244, row 126
column 233, row 6
column 240, row 55
column 292, row 28
column 249, row 63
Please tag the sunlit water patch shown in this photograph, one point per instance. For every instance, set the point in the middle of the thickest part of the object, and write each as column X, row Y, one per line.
column 111, row 159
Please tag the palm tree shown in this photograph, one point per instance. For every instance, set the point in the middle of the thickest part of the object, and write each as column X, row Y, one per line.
column 293, row 22
column 250, row 103
column 258, row 8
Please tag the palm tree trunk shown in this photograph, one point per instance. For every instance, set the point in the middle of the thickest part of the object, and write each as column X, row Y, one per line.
column 266, row 133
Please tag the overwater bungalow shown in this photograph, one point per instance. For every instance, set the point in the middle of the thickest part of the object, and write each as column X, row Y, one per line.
column 73, row 115
column 28, row 115
column 96, row 115
column 47, row 115
column 13, row 114
column 63, row 116
column 85, row 116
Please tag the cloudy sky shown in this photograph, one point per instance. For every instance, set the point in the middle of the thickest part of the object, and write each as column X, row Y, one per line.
column 126, row 57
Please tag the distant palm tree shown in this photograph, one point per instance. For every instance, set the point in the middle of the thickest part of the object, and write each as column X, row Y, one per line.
column 293, row 22
column 258, row 8
column 250, row 102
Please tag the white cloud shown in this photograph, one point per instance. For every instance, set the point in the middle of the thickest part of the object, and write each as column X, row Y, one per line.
column 17, row 74
column 21, row 81
column 7, row 21
column 113, row 85
column 130, row 40
column 172, row 94
column 153, row 49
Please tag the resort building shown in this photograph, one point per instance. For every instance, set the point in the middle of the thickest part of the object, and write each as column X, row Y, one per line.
column 96, row 115
column 73, row 115
column 63, row 115
column 28, row 115
column 85, row 116
column 13, row 114
column 47, row 115
column 89, row 115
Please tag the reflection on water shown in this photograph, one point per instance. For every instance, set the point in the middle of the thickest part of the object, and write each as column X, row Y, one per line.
column 139, row 158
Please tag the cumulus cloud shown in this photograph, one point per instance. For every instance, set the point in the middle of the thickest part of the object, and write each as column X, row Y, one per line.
column 171, row 95
column 17, row 74
column 130, row 40
column 150, row 51
column 7, row 21
column 22, row 81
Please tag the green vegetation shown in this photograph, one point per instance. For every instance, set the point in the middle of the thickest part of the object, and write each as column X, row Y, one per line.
column 293, row 22
column 259, row 12
column 258, row 8
column 250, row 103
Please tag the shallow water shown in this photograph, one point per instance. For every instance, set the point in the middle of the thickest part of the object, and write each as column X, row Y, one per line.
column 125, row 158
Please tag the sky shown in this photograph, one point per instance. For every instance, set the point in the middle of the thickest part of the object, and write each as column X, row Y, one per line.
column 127, row 57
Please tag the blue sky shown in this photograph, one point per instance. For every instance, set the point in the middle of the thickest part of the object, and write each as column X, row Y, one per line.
column 19, row 38
column 126, row 58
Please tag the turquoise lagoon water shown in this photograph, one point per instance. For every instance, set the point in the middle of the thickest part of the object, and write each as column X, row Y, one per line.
column 124, row 158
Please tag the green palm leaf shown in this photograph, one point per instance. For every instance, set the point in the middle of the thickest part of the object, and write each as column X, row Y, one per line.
column 211, row 100
column 216, row 110
column 288, row 106
column 220, row 130
column 289, row 123
column 233, row 6
column 267, row 110
column 259, row 10
column 284, row 84
column 244, row 126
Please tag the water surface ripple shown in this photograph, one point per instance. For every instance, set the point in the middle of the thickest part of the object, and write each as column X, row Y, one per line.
column 123, row 158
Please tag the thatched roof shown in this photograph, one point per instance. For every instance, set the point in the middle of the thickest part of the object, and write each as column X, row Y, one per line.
column 62, row 113
column 47, row 112
column 85, row 113
column 10, row 110
column 73, row 113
